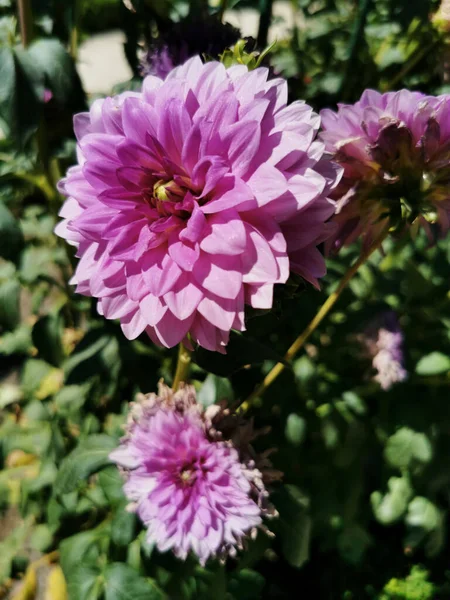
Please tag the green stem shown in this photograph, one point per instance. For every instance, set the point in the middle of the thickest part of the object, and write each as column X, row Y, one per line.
column 320, row 315
column 357, row 37
column 74, row 33
column 25, row 21
column 223, row 7
column 183, row 364
column 265, row 9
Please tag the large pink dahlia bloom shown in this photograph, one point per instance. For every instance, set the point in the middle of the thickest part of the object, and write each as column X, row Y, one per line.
column 395, row 151
column 194, row 491
column 193, row 198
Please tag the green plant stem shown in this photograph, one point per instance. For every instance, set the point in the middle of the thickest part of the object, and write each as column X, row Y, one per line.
column 356, row 40
column 320, row 315
column 74, row 33
column 265, row 10
column 25, row 21
column 223, row 7
column 183, row 364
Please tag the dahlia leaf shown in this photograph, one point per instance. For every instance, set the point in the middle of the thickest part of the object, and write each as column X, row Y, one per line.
column 89, row 457
column 20, row 89
column 406, row 447
column 434, row 363
column 84, row 583
column 46, row 335
column 51, row 58
column 124, row 583
column 9, row 304
column 11, row 237
column 123, row 526
column 294, row 524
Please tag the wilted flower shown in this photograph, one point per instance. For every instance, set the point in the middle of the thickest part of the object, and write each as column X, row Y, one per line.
column 193, row 198
column 195, row 35
column 193, row 490
column 384, row 341
column 395, row 150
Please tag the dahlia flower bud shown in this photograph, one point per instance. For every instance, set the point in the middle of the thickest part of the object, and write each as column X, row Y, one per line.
column 194, row 198
column 205, row 35
column 395, row 150
column 384, row 341
column 194, row 489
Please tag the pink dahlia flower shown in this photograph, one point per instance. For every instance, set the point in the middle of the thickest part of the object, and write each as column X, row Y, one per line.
column 193, row 198
column 193, row 491
column 395, row 150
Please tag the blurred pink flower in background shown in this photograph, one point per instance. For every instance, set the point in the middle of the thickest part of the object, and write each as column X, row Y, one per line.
column 194, row 198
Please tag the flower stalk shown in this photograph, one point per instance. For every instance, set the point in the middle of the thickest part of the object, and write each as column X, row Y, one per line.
column 26, row 21
column 183, row 365
column 316, row 321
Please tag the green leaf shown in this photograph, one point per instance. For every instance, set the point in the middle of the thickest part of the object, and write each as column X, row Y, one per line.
column 215, row 389
column 407, row 446
column 84, row 582
column 423, row 513
column 33, row 373
column 124, row 583
column 11, row 238
column 435, row 363
column 70, row 399
column 295, row 429
column 80, row 548
column 294, row 524
column 34, row 263
column 19, row 94
column 9, row 304
column 304, row 368
column 17, row 341
column 353, row 542
column 89, row 456
column 53, row 60
column 46, row 335
column 392, row 506
column 247, row 585
column 123, row 526
column 111, row 482
column 11, row 545
column 9, row 393
column 41, row 538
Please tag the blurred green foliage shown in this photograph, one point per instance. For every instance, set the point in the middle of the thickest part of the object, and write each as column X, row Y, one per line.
column 365, row 497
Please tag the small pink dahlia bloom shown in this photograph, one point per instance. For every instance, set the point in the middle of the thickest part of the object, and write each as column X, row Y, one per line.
column 395, row 151
column 193, row 198
column 193, row 491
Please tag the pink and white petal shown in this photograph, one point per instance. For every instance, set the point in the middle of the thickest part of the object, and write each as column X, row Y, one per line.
column 160, row 271
column 171, row 330
column 183, row 298
column 133, row 324
column 152, row 309
column 230, row 192
column 226, row 234
column 220, row 275
column 184, row 253
column 117, row 306
column 259, row 296
column 208, row 336
column 258, row 262
column 267, row 183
